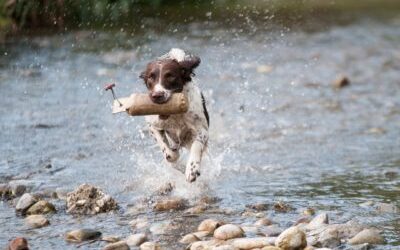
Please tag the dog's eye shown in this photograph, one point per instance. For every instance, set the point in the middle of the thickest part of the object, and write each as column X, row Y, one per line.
column 152, row 76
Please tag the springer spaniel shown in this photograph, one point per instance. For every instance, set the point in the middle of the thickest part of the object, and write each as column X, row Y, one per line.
column 168, row 74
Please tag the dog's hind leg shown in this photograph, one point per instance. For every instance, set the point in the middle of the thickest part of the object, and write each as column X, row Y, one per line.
column 171, row 155
column 196, row 152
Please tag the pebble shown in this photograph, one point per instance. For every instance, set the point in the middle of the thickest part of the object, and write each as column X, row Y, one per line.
column 259, row 206
column 174, row 203
column 371, row 236
column 228, row 231
column 250, row 243
column 340, row 82
column 291, row 239
column 18, row 244
column 264, row 69
column 120, row 245
column 150, row 246
column 198, row 209
column 36, row 221
column 318, row 221
column 209, row 225
column 309, row 211
column 136, row 239
column 282, row 207
column 25, row 202
column 5, row 192
column 263, row 222
column 189, row 238
column 272, row 230
column 82, row 235
column 41, row 207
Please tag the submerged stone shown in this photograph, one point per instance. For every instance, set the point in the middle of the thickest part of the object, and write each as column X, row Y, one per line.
column 82, row 235
column 228, row 231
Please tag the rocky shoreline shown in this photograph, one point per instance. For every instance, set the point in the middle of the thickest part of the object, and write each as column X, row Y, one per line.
column 258, row 231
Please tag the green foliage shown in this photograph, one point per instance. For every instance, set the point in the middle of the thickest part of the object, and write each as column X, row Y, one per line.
column 34, row 13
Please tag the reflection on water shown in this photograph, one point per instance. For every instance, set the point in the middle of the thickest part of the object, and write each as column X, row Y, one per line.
column 279, row 131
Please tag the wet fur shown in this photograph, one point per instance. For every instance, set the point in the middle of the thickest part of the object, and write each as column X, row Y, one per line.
column 188, row 130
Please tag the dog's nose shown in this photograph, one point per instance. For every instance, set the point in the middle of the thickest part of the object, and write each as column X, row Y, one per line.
column 157, row 97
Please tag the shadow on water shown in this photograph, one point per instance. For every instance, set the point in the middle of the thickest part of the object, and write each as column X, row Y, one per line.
column 279, row 131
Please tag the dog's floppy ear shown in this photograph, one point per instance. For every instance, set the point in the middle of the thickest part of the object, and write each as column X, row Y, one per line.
column 188, row 65
column 143, row 75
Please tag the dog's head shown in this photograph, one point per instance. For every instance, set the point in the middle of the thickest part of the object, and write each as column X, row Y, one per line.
column 166, row 76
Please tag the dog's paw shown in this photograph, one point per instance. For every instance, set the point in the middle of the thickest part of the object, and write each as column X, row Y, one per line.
column 192, row 171
column 170, row 155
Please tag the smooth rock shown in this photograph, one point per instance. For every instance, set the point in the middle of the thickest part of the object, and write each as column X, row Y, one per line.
column 329, row 238
column 272, row 230
column 88, row 199
column 207, row 245
column 371, row 236
column 25, row 202
column 135, row 239
column 225, row 247
column 364, row 246
column 174, row 203
column 189, row 238
column 228, row 231
column 120, row 245
column 82, row 235
column 209, row 225
column 250, row 229
column 291, row 239
column 263, row 222
column 318, row 221
column 271, row 248
column 36, row 221
column 18, row 244
column 41, row 207
column 150, row 246
column 250, row 243
column 201, row 234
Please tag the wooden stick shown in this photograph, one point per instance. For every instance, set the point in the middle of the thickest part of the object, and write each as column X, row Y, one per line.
column 141, row 104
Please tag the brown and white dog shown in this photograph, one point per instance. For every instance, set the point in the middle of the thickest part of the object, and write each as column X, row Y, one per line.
column 168, row 74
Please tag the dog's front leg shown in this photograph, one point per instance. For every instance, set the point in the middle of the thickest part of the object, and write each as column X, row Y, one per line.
column 196, row 153
column 171, row 155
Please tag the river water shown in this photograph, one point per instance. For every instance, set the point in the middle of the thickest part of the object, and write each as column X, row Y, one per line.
column 279, row 131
